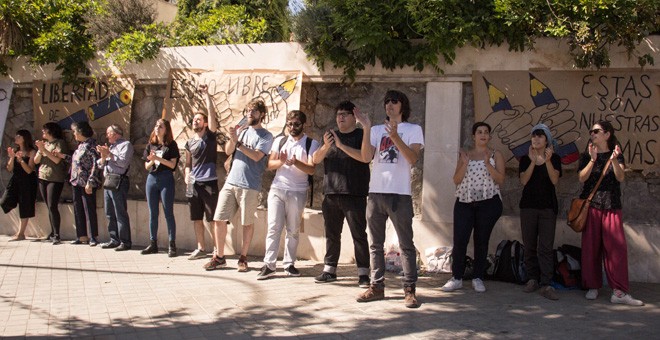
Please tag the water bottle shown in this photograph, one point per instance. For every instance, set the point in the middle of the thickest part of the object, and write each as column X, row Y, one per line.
column 190, row 187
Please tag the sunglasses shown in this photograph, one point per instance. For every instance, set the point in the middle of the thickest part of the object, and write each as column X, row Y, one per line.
column 294, row 124
column 393, row 101
column 344, row 114
column 596, row 131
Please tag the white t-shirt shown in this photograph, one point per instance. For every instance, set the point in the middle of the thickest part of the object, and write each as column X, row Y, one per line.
column 289, row 177
column 391, row 171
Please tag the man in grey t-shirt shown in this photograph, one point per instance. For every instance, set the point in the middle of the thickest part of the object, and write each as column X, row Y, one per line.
column 249, row 146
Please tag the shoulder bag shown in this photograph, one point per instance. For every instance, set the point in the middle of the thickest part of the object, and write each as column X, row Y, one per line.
column 577, row 214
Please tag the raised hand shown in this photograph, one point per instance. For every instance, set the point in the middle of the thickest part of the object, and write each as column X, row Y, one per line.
column 104, row 150
column 233, row 134
column 463, row 158
column 392, row 129
column 593, row 152
column 361, row 118
column 283, row 156
column 329, row 138
column 152, row 155
column 616, row 152
column 40, row 145
column 19, row 154
column 10, row 152
column 336, row 140
column 548, row 153
column 291, row 161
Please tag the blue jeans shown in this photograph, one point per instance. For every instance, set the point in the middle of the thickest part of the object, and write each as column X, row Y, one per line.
column 480, row 216
column 160, row 187
column 119, row 226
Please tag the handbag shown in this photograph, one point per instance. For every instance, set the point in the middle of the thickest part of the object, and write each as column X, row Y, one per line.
column 577, row 214
column 112, row 181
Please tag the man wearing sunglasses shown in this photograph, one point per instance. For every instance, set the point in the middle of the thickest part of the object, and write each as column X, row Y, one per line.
column 291, row 159
column 345, row 188
column 249, row 144
column 394, row 147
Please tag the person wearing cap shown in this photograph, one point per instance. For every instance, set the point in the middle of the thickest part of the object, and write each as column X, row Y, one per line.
column 539, row 173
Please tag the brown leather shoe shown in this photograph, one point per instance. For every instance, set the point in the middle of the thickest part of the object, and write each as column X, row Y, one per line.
column 373, row 293
column 549, row 293
column 242, row 264
column 410, row 300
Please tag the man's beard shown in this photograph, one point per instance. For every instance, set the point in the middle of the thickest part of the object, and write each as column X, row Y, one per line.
column 254, row 121
column 198, row 129
column 295, row 132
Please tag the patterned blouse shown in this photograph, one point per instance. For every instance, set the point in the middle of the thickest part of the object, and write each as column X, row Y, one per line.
column 477, row 184
column 83, row 164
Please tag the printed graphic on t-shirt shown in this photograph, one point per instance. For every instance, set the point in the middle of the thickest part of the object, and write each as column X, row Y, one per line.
column 387, row 152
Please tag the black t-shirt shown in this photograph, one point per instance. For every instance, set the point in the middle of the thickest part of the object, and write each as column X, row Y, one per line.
column 204, row 153
column 608, row 195
column 343, row 174
column 169, row 151
column 539, row 192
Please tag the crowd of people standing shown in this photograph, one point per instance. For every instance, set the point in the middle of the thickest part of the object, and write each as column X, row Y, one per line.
column 362, row 195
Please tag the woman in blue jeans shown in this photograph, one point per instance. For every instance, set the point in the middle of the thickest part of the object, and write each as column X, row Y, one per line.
column 161, row 157
column 478, row 176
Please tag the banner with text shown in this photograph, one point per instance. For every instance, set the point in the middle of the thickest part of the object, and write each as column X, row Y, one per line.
column 230, row 92
column 99, row 101
column 6, row 87
column 570, row 102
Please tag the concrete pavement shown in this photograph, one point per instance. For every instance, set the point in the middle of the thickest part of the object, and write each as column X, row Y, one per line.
column 81, row 291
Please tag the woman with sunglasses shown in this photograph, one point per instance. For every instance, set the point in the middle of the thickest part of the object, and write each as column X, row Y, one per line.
column 539, row 172
column 21, row 190
column 52, row 173
column 161, row 157
column 603, row 239
column 478, row 176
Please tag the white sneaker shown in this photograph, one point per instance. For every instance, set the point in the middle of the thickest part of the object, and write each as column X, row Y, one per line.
column 592, row 294
column 625, row 299
column 478, row 286
column 452, row 285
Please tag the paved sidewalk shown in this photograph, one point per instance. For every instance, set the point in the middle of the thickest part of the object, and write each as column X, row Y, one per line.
column 80, row 291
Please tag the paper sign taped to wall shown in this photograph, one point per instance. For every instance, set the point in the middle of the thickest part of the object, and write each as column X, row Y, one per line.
column 570, row 102
column 100, row 101
column 231, row 91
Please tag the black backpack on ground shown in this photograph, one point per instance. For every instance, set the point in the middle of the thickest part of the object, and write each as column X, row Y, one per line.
column 510, row 262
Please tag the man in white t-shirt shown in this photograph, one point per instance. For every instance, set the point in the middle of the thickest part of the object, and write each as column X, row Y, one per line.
column 291, row 158
column 394, row 147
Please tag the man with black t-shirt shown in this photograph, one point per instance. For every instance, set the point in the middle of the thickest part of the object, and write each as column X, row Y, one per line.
column 346, row 185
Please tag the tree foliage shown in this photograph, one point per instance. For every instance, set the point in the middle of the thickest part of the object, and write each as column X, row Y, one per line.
column 68, row 33
column 355, row 33
column 118, row 17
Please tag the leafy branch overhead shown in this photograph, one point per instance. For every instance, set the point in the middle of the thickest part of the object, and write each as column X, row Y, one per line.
column 68, row 33
column 353, row 33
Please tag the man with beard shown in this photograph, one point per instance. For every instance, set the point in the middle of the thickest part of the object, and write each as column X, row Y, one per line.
column 201, row 155
column 249, row 145
column 291, row 158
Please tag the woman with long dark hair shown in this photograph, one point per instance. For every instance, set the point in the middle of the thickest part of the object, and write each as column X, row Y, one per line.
column 603, row 239
column 84, row 181
column 52, row 173
column 161, row 157
column 478, row 176
column 21, row 190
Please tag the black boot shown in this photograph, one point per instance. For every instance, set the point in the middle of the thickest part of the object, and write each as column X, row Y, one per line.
column 171, row 252
column 151, row 249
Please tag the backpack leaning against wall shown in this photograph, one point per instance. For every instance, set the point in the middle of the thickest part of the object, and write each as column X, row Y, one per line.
column 510, row 262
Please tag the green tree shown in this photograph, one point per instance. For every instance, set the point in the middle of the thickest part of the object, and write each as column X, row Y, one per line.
column 355, row 33
column 47, row 32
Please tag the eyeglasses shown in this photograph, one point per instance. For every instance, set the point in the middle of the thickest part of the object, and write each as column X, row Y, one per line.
column 393, row 101
column 294, row 124
column 596, row 131
column 344, row 114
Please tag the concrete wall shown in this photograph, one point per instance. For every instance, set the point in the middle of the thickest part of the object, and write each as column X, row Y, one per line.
column 442, row 104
